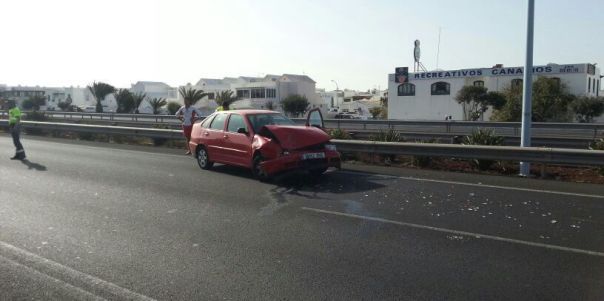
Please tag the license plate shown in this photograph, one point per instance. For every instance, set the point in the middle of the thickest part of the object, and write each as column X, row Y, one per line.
column 313, row 156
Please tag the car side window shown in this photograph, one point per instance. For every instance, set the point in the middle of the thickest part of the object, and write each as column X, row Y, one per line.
column 236, row 121
column 218, row 122
column 206, row 123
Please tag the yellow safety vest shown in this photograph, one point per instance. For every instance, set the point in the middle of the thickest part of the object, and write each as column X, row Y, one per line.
column 14, row 116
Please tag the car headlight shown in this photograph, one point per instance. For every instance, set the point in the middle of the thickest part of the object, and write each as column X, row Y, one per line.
column 331, row 147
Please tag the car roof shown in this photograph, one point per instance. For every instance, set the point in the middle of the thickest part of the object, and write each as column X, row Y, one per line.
column 250, row 112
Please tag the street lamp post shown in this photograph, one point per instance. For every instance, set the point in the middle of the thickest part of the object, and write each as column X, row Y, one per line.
column 337, row 87
column 527, row 88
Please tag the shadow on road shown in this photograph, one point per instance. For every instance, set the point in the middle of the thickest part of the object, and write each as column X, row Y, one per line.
column 332, row 181
column 31, row 165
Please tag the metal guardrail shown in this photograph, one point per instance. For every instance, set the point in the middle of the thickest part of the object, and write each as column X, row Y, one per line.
column 503, row 153
column 506, row 153
column 445, row 126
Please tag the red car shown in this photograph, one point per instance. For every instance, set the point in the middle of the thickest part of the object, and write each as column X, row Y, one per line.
column 264, row 141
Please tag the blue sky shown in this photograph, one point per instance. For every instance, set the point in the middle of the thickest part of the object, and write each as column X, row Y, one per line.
column 357, row 43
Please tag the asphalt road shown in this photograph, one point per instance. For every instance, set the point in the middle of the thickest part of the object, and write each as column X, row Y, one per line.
column 86, row 221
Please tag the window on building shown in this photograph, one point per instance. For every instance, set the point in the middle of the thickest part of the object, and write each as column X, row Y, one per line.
column 516, row 83
column 598, row 89
column 593, row 85
column 271, row 93
column 478, row 83
column 588, row 85
column 218, row 122
column 257, row 92
column 243, row 93
column 557, row 80
column 441, row 88
column 406, row 89
column 211, row 96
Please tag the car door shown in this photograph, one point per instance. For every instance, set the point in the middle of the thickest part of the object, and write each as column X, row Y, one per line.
column 237, row 141
column 213, row 137
column 315, row 118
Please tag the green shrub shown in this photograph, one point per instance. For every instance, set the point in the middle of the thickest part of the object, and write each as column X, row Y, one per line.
column 37, row 116
column 173, row 107
column 598, row 144
column 387, row 136
column 159, row 141
column 339, row 134
column 483, row 137
column 423, row 161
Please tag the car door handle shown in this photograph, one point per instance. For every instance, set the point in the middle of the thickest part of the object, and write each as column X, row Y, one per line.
column 206, row 134
column 226, row 136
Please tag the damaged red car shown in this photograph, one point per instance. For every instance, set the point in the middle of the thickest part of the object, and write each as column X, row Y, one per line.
column 266, row 142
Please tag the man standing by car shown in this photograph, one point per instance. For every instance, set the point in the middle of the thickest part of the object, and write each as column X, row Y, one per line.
column 14, row 124
column 187, row 114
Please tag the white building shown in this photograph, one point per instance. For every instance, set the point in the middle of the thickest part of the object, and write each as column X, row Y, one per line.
column 154, row 90
column 431, row 95
column 258, row 92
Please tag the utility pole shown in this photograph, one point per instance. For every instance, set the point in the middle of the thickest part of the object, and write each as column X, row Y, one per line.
column 527, row 91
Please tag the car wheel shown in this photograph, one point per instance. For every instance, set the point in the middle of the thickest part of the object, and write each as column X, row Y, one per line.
column 317, row 172
column 259, row 173
column 203, row 160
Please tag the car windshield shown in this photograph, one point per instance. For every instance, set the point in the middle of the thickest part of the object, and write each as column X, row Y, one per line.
column 260, row 120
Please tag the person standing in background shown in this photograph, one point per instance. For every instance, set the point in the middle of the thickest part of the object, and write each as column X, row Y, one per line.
column 187, row 114
column 14, row 124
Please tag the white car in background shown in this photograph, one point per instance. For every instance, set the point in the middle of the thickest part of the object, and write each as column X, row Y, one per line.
column 89, row 109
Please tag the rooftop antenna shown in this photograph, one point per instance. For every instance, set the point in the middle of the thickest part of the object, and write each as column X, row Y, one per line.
column 418, row 66
column 438, row 48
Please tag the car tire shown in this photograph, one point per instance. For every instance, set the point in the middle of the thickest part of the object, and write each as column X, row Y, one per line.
column 257, row 171
column 203, row 160
column 317, row 172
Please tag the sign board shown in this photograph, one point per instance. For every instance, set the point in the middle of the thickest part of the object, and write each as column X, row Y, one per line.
column 401, row 75
column 511, row 71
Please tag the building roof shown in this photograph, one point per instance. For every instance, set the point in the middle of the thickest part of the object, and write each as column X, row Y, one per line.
column 150, row 83
column 297, row 77
column 210, row 81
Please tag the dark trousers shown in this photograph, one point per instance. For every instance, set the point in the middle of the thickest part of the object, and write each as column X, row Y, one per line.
column 15, row 132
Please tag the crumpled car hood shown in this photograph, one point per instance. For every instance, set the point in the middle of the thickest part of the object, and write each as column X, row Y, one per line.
column 297, row 137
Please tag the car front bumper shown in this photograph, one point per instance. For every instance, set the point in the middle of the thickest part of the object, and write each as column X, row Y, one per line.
column 295, row 161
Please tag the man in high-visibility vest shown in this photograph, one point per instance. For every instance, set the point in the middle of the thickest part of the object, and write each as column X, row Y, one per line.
column 14, row 124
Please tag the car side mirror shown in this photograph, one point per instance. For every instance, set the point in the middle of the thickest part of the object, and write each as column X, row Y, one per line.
column 242, row 131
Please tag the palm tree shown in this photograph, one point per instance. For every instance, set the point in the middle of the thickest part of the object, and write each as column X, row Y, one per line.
column 138, row 99
column 99, row 91
column 191, row 95
column 225, row 99
column 125, row 102
column 157, row 103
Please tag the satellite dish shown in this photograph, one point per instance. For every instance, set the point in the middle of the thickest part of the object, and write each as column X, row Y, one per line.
column 416, row 51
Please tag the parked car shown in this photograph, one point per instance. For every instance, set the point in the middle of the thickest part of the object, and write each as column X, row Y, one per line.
column 89, row 109
column 266, row 142
column 348, row 115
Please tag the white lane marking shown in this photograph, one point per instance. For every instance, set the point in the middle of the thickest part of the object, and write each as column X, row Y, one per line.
column 74, row 292
column 476, row 235
column 47, row 266
column 484, row 185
